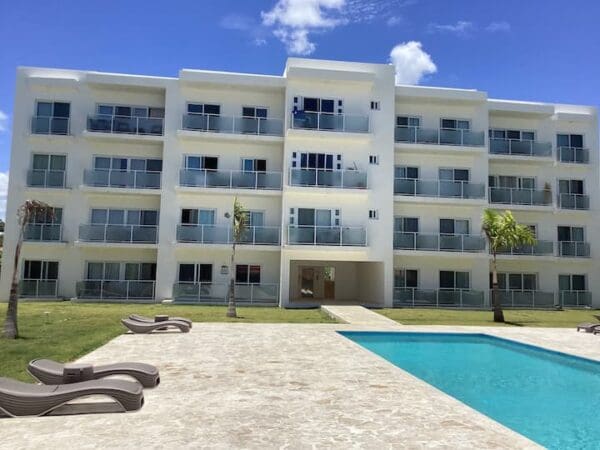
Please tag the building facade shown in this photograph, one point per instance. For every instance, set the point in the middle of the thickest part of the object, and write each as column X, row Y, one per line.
column 357, row 190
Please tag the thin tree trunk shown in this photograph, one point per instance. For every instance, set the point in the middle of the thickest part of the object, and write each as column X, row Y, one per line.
column 11, row 330
column 231, row 311
column 498, row 313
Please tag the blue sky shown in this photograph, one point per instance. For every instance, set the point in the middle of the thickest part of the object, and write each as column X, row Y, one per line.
column 529, row 50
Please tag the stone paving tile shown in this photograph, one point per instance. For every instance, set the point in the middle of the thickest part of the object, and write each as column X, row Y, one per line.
column 290, row 386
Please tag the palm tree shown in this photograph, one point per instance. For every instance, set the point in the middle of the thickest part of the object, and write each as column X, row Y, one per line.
column 26, row 212
column 503, row 233
column 238, row 227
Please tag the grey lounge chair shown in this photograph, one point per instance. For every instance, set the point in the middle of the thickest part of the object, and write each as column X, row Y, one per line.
column 145, row 319
column 143, row 327
column 588, row 327
column 25, row 399
column 51, row 372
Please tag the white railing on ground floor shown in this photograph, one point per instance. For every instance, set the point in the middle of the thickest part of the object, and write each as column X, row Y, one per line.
column 38, row 288
column 116, row 289
column 438, row 298
column 217, row 293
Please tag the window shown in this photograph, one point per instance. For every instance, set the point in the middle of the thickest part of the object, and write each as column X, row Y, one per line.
column 252, row 111
column 454, row 174
column 570, row 187
column 374, row 159
column 101, row 216
column 51, row 216
column 406, row 172
column 195, row 273
column 53, row 109
column 247, row 274
column 570, row 234
column 406, row 224
column 254, row 218
column 454, row 124
column 515, row 281
column 130, row 111
column 40, row 270
column 103, row 271
column 318, row 217
column 323, row 161
column 406, row 121
column 454, row 280
column 454, row 226
column 327, row 106
column 124, row 164
column 569, row 140
column 375, row 106
column 406, row 278
column 503, row 181
column 373, row 214
column 198, row 108
column 49, row 162
column 201, row 162
column 198, row 216
column 140, row 271
column 572, row 282
column 254, row 165
column 516, row 135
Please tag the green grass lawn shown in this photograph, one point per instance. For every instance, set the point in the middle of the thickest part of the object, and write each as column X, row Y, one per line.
column 525, row 318
column 70, row 330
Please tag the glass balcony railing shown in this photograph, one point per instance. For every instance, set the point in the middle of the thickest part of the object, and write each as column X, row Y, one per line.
column 128, row 234
column 216, row 293
column 38, row 288
column 439, row 188
column 261, row 126
column 321, row 121
column 46, row 178
column 324, row 235
column 575, row 299
column 442, row 136
column 573, row 155
column 116, row 289
column 343, row 179
column 520, row 148
column 439, row 242
column 102, row 123
column 230, row 179
column 573, row 201
column 575, row 249
column 525, row 298
column 50, row 125
column 453, row 298
column 216, row 234
column 132, row 179
column 540, row 248
column 43, row 232
column 514, row 196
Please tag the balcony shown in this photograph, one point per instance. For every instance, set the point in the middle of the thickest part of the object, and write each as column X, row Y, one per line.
column 46, row 178
column 216, row 293
column 327, row 235
column 540, row 248
column 514, row 196
column 50, row 125
column 115, row 289
column 230, row 179
column 126, row 234
column 38, row 288
column 513, row 298
column 125, row 125
column 439, row 242
column 437, row 298
column 42, row 232
column 341, row 179
column 132, row 179
column 443, row 136
column 233, row 125
column 573, row 155
column 439, row 188
column 573, row 201
column 573, row 249
column 215, row 234
column 575, row 299
column 303, row 120
column 520, row 148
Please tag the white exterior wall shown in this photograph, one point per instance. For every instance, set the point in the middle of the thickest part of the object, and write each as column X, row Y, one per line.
column 363, row 274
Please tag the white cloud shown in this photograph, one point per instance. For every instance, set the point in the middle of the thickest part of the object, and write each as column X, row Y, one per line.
column 411, row 62
column 496, row 27
column 393, row 21
column 3, row 193
column 3, row 121
column 462, row 27
column 256, row 32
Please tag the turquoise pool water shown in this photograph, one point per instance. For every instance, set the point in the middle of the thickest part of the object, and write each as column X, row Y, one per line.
column 550, row 397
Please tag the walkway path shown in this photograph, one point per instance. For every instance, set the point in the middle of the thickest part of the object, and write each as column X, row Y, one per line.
column 359, row 315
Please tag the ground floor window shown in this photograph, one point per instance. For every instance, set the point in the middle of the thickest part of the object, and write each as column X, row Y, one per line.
column 195, row 273
column 40, row 270
column 454, row 280
column 406, row 278
column 247, row 273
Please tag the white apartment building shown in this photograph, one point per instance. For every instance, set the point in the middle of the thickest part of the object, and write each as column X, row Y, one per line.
column 357, row 190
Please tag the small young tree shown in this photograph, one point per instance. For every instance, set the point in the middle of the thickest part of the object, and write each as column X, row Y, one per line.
column 502, row 233
column 26, row 212
column 238, row 227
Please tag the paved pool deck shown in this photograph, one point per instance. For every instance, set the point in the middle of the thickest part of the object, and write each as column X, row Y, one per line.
column 290, row 386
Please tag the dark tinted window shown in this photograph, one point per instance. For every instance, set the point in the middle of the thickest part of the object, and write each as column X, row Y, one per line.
column 186, row 273
column 205, row 273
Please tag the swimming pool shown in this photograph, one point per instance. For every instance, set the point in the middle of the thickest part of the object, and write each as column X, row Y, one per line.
column 550, row 397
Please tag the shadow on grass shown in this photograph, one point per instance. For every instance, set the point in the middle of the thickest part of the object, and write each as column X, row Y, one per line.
column 514, row 324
